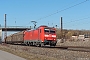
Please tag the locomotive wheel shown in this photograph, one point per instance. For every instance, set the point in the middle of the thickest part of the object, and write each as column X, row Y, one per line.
column 27, row 44
column 41, row 45
column 37, row 45
column 53, row 44
column 31, row 43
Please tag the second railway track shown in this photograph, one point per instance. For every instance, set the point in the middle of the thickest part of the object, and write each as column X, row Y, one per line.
column 71, row 48
column 68, row 48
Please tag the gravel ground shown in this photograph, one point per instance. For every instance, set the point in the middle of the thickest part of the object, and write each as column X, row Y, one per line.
column 37, row 53
column 75, row 43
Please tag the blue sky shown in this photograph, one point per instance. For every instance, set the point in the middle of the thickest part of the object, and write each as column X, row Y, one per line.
column 25, row 11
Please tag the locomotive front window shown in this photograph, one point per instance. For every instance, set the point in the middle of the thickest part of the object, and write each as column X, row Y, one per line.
column 49, row 31
column 52, row 31
column 46, row 30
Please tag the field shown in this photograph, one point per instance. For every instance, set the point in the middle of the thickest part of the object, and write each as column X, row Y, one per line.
column 39, row 53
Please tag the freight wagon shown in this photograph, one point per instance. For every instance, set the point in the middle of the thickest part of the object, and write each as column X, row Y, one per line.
column 41, row 36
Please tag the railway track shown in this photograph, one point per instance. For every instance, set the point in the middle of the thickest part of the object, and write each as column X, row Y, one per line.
column 71, row 48
column 68, row 48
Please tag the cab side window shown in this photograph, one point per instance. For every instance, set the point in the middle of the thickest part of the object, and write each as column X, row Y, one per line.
column 40, row 30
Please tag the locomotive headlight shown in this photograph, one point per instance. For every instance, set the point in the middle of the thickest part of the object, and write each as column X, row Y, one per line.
column 53, row 35
column 54, row 39
column 46, row 35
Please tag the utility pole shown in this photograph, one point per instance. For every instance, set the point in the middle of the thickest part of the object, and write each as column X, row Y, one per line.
column 0, row 34
column 5, row 33
column 61, row 30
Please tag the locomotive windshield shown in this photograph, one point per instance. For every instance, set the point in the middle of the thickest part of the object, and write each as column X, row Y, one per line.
column 52, row 31
column 49, row 31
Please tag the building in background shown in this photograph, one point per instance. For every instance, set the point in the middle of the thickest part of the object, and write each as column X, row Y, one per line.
column 74, row 38
column 0, row 35
column 80, row 37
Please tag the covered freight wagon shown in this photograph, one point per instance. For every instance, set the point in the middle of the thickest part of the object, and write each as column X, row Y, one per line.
column 15, row 38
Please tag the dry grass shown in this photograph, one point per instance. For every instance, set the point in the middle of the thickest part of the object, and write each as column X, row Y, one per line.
column 25, row 54
column 37, row 53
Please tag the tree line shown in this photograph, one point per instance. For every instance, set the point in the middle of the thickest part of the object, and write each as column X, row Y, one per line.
column 68, row 33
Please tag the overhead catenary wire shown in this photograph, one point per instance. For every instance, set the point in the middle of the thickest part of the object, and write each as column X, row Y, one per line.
column 62, row 10
column 78, row 24
column 83, row 23
column 58, row 11
column 77, row 20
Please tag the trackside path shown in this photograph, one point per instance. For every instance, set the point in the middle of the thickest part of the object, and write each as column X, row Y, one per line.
column 7, row 56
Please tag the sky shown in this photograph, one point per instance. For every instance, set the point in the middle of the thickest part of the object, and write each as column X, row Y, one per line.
column 75, row 13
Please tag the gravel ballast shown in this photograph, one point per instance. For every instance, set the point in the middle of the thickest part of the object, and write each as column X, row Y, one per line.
column 37, row 53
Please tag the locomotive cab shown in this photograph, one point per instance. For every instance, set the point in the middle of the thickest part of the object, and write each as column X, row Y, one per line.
column 50, row 36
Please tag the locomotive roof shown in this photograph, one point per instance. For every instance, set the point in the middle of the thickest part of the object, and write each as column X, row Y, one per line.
column 44, row 26
column 40, row 27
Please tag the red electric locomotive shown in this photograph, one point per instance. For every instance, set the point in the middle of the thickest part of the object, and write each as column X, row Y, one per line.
column 43, row 35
